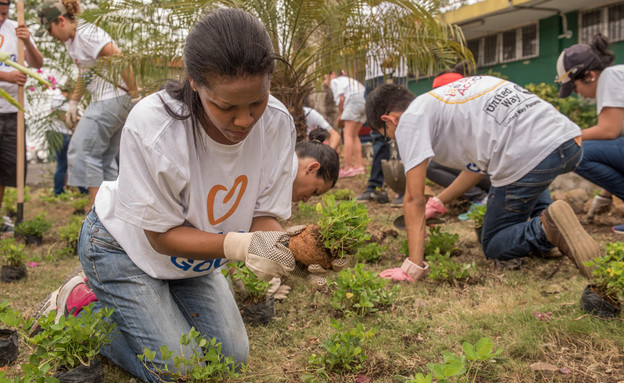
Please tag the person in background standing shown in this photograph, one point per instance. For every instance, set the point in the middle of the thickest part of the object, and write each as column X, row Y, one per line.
column 10, row 78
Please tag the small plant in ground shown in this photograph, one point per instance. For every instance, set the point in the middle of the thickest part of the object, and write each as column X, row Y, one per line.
column 460, row 367
column 444, row 242
column 79, row 204
column 69, row 235
column 608, row 271
column 12, row 254
column 445, row 268
column 342, row 225
column 344, row 351
column 361, row 292
column 205, row 364
column 476, row 214
column 370, row 253
column 255, row 288
column 9, row 201
column 35, row 227
column 343, row 194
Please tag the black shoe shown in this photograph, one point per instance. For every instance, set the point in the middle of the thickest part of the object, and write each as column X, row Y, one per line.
column 398, row 201
column 374, row 196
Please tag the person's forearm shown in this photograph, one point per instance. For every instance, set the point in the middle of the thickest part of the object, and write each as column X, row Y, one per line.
column 34, row 58
column 79, row 89
column 129, row 79
column 414, row 210
column 187, row 242
column 464, row 181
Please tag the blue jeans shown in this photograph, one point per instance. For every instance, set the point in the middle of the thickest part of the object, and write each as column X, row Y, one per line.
column 512, row 225
column 152, row 312
column 61, row 142
column 603, row 164
column 381, row 148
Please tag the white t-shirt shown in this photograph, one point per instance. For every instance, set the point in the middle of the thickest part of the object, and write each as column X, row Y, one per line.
column 315, row 120
column 59, row 103
column 8, row 44
column 609, row 89
column 84, row 49
column 346, row 86
column 482, row 124
column 165, row 182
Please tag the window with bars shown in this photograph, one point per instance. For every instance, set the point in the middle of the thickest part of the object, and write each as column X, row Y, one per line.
column 514, row 44
column 608, row 20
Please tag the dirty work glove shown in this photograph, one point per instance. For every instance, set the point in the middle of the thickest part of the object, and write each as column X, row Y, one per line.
column 599, row 205
column 434, row 208
column 265, row 253
column 409, row 271
column 71, row 116
column 277, row 290
column 315, row 270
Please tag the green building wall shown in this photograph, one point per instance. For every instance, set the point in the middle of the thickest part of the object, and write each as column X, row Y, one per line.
column 538, row 69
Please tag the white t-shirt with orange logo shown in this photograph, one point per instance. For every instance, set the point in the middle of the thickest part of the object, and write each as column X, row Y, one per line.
column 84, row 49
column 8, row 44
column 483, row 124
column 164, row 182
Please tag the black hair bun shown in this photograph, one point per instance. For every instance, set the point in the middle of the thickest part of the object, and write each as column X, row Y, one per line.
column 318, row 135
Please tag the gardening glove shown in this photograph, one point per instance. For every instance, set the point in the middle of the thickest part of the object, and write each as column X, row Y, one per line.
column 434, row 208
column 265, row 253
column 409, row 271
column 277, row 290
column 337, row 264
column 71, row 115
column 599, row 205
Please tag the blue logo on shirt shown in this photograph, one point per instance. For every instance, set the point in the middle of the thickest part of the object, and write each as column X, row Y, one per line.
column 202, row 266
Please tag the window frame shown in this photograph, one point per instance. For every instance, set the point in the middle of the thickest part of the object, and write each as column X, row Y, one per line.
column 603, row 25
column 499, row 46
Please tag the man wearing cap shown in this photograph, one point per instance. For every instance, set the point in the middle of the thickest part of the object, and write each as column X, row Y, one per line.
column 10, row 78
column 587, row 70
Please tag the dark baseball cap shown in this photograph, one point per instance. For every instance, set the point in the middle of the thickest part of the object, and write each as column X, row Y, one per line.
column 50, row 10
column 571, row 64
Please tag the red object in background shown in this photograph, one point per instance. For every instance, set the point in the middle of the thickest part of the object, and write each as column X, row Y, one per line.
column 364, row 130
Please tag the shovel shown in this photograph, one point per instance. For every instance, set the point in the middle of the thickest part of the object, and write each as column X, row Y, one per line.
column 399, row 222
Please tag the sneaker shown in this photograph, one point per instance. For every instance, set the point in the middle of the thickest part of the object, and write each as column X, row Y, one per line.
column 346, row 173
column 565, row 232
column 619, row 229
column 379, row 197
column 464, row 216
column 359, row 170
column 71, row 297
column 398, row 201
column 6, row 225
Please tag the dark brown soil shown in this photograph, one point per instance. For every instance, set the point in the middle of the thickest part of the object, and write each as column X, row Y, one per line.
column 308, row 248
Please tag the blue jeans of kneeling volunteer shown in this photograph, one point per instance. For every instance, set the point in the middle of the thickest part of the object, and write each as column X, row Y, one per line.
column 153, row 312
column 512, row 226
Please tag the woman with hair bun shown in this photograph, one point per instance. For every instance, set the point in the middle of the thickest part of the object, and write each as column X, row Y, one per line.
column 587, row 71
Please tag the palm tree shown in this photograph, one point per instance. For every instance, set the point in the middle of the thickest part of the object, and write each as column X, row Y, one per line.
column 312, row 36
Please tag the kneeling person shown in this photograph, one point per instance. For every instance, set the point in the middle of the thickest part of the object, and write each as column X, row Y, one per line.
column 485, row 125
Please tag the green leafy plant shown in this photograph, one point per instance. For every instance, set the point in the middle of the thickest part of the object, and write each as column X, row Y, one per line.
column 444, row 242
column 255, row 288
column 69, row 235
column 12, row 254
column 342, row 225
column 370, row 253
column 79, row 204
column 343, row 194
column 205, row 364
column 360, row 292
column 344, row 350
column 460, row 367
column 476, row 214
column 608, row 271
column 445, row 268
column 9, row 201
column 36, row 226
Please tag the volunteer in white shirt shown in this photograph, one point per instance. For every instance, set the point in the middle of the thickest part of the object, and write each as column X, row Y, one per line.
column 485, row 125
column 94, row 145
column 315, row 120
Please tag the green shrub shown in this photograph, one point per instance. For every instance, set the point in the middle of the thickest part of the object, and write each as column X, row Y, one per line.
column 444, row 242
column 205, row 364
column 342, row 225
column 343, row 194
column 370, row 253
column 445, row 268
column 344, row 350
column 608, row 272
column 255, row 288
column 36, row 226
column 12, row 254
column 359, row 291
column 476, row 214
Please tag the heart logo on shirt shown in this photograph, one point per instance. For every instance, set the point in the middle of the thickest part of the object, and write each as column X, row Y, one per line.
column 212, row 194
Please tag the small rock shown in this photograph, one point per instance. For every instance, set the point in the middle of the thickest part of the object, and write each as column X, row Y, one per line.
column 576, row 198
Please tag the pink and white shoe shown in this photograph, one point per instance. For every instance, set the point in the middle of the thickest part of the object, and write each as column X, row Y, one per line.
column 346, row 173
column 359, row 170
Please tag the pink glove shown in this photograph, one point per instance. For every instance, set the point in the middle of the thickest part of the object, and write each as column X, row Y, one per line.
column 409, row 271
column 434, row 207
